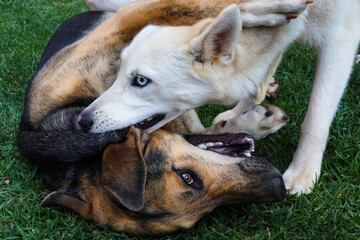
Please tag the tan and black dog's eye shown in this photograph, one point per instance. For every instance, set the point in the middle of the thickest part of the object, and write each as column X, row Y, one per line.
column 187, row 178
column 140, row 81
column 190, row 178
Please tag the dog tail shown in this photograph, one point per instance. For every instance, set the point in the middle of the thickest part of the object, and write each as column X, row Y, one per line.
column 57, row 199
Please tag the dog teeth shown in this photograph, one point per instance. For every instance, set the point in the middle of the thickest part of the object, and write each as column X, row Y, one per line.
column 251, row 141
column 210, row 144
column 149, row 119
column 247, row 140
column 202, row 146
column 247, row 154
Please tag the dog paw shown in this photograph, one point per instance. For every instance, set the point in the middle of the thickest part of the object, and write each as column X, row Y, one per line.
column 266, row 120
column 271, row 13
column 299, row 182
column 357, row 59
column 259, row 121
column 273, row 89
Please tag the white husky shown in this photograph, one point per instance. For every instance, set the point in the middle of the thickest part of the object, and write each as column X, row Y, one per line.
column 166, row 71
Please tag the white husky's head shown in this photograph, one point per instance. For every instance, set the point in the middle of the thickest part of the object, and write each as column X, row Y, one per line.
column 167, row 71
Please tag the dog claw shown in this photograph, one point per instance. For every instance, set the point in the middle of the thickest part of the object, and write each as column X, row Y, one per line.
column 273, row 89
column 286, row 118
column 269, row 113
column 291, row 16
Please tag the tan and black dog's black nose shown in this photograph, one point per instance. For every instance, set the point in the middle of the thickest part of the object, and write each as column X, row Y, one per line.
column 85, row 121
column 278, row 186
column 264, row 181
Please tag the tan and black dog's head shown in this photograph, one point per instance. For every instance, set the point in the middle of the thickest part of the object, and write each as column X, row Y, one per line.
column 158, row 183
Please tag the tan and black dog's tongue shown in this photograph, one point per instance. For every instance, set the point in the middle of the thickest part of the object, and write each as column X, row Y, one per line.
column 231, row 144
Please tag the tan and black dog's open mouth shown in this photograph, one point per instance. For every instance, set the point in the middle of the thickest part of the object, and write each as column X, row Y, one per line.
column 150, row 121
column 231, row 144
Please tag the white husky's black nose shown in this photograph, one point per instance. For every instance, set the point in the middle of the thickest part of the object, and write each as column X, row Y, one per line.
column 85, row 121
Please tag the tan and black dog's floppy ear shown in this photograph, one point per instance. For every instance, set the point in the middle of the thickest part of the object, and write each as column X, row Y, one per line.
column 221, row 37
column 124, row 171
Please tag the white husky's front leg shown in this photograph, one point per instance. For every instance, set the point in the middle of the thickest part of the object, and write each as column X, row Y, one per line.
column 334, row 66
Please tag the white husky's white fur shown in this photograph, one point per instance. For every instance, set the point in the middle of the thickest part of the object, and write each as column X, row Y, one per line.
column 218, row 61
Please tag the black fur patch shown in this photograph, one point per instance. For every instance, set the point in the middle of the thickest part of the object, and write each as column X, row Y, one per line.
column 69, row 32
column 155, row 162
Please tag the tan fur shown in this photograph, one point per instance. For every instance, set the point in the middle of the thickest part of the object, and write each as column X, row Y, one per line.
column 88, row 67
column 169, row 203
column 68, row 75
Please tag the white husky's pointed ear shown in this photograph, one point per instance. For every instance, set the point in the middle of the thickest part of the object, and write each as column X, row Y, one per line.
column 220, row 38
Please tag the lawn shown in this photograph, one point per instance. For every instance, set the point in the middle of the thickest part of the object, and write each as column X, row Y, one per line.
column 332, row 211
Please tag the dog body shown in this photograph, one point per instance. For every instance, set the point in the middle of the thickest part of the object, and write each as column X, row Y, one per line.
column 158, row 183
column 82, row 60
column 218, row 61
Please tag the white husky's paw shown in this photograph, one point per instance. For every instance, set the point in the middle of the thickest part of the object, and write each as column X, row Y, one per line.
column 271, row 13
column 259, row 121
column 300, row 181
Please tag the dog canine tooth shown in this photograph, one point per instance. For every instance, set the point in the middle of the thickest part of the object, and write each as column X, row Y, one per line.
column 247, row 154
column 202, row 146
column 251, row 142
column 219, row 143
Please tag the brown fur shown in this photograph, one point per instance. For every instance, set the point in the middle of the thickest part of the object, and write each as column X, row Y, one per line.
column 88, row 67
column 140, row 189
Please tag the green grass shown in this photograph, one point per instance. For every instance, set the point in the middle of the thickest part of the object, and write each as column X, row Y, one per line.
column 330, row 212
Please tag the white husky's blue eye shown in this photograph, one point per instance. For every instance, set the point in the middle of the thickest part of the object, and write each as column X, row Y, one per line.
column 140, row 81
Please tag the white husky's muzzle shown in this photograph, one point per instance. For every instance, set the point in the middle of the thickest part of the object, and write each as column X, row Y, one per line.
column 113, row 111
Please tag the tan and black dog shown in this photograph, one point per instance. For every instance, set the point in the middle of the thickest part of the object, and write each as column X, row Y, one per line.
column 158, row 183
